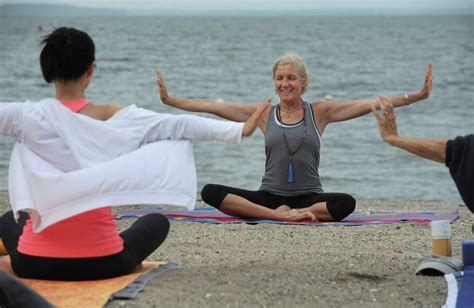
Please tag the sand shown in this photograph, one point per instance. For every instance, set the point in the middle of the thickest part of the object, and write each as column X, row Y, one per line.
column 300, row 266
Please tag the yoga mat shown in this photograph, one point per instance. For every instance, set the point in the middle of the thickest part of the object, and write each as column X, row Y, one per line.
column 211, row 215
column 94, row 293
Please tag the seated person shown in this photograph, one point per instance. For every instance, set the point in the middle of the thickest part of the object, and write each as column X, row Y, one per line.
column 73, row 160
column 291, row 187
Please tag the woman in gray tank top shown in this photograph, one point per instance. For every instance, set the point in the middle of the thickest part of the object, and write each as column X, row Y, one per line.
column 291, row 189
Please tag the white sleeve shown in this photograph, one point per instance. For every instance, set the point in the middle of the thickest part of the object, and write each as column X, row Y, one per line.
column 190, row 127
column 11, row 117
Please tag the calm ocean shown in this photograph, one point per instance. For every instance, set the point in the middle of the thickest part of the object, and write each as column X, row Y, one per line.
column 230, row 58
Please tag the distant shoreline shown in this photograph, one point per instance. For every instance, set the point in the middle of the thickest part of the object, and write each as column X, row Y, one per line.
column 25, row 9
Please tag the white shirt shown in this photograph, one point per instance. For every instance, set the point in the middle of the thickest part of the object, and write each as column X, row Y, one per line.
column 64, row 163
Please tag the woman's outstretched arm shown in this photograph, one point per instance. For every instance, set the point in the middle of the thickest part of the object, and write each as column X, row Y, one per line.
column 192, row 127
column 330, row 111
column 433, row 149
column 238, row 112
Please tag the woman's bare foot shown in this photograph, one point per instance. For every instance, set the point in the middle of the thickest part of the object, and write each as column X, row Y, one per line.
column 283, row 208
column 294, row 215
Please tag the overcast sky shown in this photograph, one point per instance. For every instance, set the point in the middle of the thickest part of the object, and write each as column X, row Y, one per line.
column 263, row 4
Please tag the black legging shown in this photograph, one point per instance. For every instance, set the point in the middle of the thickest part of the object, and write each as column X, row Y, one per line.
column 339, row 205
column 140, row 240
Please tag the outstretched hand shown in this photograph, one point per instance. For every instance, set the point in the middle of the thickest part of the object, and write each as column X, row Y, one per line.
column 428, row 85
column 160, row 80
column 252, row 123
column 385, row 118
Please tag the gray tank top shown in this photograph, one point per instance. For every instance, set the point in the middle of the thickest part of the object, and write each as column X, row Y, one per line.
column 305, row 161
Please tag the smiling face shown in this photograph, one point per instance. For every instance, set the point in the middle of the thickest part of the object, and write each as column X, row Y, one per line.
column 289, row 84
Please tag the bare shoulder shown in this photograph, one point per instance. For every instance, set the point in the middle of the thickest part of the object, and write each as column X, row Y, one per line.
column 111, row 109
column 101, row 112
column 320, row 107
column 320, row 111
column 322, row 103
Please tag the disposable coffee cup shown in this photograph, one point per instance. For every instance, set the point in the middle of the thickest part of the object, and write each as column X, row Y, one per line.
column 441, row 236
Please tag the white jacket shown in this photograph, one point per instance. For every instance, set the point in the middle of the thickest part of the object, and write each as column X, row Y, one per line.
column 64, row 163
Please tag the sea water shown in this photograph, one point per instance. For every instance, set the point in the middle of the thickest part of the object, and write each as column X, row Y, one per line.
column 230, row 58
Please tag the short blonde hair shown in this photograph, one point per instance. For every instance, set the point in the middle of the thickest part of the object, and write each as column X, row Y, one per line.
column 297, row 62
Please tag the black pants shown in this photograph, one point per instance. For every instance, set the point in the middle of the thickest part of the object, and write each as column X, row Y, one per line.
column 140, row 240
column 339, row 205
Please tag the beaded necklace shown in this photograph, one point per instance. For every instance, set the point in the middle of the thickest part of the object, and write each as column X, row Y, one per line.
column 291, row 175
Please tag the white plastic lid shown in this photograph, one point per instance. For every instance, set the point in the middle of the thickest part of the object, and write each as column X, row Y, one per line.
column 441, row 229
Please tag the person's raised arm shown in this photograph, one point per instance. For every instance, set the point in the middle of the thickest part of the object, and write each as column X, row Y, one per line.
column 239, row 112
column 433, row 149
column 330, row 111
column 193, row 127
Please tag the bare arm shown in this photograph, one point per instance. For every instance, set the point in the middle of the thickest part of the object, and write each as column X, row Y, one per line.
column 433, row 149
column 239, row 112
column 329, row 111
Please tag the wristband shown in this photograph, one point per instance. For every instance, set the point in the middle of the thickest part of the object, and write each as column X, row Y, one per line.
column 406, row 99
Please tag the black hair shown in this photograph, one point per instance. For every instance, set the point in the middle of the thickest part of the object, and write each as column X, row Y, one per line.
column 66, row 55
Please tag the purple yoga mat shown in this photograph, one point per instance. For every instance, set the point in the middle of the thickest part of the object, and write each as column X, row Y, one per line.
column 210, row 215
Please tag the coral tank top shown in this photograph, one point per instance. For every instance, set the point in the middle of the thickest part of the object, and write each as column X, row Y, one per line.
column 87, row 235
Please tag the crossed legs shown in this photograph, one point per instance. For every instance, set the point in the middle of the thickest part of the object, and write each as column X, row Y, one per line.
column 262, row 204
column 144, row 236
column 238, row 206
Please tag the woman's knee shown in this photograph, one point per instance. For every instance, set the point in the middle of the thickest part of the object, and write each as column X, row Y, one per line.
column 9, row 218
column 343, row 206
column 151, row 226
column 158, row 229
column 349, row 203
column 10, row 225
column 4, row 220
column 160, row 222
column 213, row 195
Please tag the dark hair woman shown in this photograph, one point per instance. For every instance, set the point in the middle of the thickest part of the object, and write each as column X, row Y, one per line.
column 73, row 160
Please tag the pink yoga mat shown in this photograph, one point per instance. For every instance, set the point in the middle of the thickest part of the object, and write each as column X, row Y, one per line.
column 210, row 215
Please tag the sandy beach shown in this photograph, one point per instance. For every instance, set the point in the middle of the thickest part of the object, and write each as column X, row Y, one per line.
column 267, row 265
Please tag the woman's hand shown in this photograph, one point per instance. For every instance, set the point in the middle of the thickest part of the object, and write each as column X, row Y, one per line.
column 238, row 112
column 289, row 214
column 428, row 85
column 252, row 123
column 385, row 118
column 160, row 80
column 295, row 215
